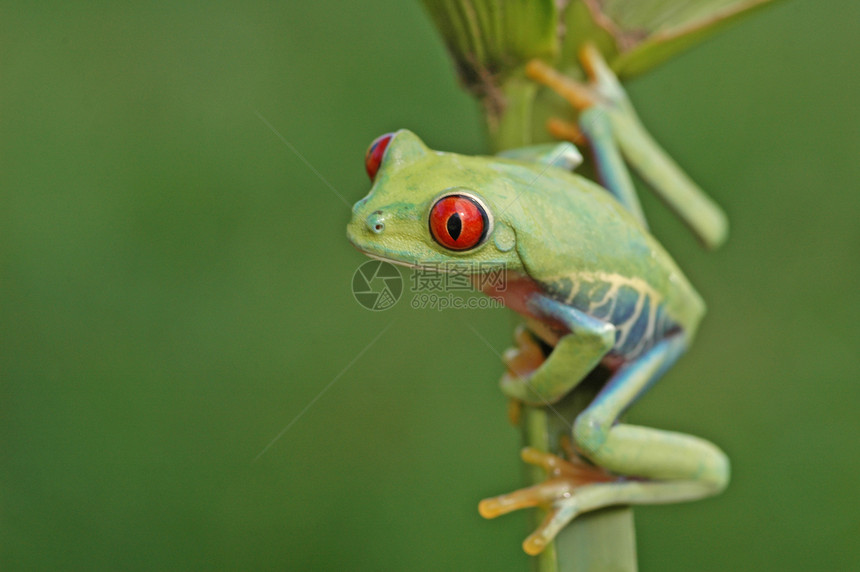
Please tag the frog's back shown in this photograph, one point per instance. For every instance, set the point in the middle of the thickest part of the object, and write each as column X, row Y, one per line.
column 584, row 249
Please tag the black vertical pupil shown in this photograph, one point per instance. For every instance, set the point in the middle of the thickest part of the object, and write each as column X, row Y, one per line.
column 454, row 226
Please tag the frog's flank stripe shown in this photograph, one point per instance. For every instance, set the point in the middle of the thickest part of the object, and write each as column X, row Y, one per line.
column 630, row 304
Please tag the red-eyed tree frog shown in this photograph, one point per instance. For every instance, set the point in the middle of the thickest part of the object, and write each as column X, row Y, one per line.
column 592, row 283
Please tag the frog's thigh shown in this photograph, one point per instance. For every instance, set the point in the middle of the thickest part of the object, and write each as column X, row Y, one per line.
column 575, row 355
column 646, row 452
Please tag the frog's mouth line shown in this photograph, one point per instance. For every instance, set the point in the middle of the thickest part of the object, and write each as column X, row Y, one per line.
column 416, row 264
column 434, row 266
column 383, row 258
column 391, row 260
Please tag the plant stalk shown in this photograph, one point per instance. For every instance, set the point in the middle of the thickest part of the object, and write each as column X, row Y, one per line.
column 599, row 540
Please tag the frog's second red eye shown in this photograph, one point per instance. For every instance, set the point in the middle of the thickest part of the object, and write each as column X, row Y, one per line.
column 374, row 154
column 458, row 222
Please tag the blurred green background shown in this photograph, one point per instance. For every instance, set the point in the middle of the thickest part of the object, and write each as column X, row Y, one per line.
column 175, row 290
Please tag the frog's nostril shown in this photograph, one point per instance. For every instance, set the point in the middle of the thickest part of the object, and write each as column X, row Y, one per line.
column 375, row 222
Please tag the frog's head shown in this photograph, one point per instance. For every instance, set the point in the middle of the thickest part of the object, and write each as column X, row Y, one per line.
column 428, row 208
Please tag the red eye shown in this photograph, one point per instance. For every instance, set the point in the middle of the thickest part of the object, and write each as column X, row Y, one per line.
column 458, row 222
column 374, row 154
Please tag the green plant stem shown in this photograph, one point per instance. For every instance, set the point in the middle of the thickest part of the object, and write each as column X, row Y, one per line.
column 599, row 540
column 513, row 127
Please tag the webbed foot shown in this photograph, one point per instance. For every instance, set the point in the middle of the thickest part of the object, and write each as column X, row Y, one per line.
column 521, row 362
column 528, row 355
column 557, row 495
column 602, row 90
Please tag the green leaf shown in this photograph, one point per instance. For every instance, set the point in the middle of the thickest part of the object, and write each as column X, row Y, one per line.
column 491, row 40
column 488, row 39
column 647, row 32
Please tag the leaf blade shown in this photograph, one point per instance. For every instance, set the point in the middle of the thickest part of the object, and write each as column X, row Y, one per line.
column 648, row 32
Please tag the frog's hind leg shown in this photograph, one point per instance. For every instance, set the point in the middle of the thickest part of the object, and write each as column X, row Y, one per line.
column 633, row 465
column 604, row 92
column 672, row 466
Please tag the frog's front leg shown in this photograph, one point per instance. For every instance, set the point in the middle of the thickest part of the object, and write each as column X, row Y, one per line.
column 577, row 353
column 605, row 94
column 648, row 466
